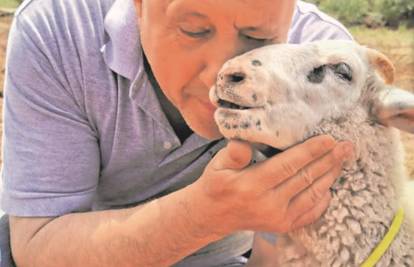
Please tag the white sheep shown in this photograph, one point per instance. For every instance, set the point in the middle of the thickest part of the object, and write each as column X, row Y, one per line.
column 281, row 95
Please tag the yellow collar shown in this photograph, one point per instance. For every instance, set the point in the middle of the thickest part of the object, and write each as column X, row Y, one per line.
column 386, row 242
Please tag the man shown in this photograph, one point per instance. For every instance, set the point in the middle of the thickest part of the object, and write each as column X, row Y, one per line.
column 111, row 154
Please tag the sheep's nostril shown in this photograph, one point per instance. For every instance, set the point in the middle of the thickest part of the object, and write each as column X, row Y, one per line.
column 236, row 77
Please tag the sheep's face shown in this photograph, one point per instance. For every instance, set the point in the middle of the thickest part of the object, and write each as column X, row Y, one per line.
column 276, row 94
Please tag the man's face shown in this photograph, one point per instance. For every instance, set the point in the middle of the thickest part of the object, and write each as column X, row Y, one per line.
column 187, row 41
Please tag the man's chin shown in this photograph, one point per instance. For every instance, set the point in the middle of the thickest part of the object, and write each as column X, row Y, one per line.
column 209, row 133
column 210, row 136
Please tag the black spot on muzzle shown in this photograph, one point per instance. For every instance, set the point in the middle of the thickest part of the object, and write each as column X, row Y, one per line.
column 256, row 62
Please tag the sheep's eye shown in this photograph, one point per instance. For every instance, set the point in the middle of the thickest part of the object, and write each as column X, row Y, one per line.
column 317, row 74
column 343, row 71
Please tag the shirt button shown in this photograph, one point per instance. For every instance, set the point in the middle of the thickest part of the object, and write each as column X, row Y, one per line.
column 167, row 145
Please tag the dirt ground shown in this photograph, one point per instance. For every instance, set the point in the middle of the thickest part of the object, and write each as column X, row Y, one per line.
column 399, row 49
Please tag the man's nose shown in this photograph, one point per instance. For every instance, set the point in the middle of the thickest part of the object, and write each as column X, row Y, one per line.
column 214, row 62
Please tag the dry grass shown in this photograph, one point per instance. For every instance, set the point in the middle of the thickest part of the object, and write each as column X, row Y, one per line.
column 398, row 45
column 4, row 30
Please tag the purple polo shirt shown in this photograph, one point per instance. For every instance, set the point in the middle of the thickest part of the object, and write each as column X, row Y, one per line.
column 83, row 128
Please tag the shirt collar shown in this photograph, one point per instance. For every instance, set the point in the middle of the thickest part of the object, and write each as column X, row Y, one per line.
column 122, row 53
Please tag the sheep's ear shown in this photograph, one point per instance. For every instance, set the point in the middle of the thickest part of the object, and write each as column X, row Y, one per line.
column 395, row 107
column 382, row 65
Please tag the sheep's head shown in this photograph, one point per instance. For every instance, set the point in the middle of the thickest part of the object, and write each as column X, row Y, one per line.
column 277, row 94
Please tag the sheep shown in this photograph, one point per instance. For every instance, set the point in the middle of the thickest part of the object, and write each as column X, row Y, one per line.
column 280, row 95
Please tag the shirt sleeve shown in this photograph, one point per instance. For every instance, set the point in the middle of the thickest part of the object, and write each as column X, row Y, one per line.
column 51, row 155
column 310, row 24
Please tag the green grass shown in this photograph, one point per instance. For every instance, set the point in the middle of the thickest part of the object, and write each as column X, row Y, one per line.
column 9, row 3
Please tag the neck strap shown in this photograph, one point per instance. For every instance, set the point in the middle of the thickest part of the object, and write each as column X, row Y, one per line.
column 386, row 241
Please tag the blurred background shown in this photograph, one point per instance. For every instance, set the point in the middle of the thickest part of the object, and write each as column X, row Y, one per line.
column 370, row 13
column 386, row 25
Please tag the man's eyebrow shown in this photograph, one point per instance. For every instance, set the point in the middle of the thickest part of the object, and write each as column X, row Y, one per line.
column 247, row 29
column 193, row 14
column 254, row 29
column 259, row 28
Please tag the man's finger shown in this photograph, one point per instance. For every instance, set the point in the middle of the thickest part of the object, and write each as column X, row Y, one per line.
column 316, row 169
column 286, row 164
column 315, row 193
column 235, row 156
column 313, row 214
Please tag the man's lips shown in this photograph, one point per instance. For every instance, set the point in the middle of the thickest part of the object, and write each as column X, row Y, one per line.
column 208, row 105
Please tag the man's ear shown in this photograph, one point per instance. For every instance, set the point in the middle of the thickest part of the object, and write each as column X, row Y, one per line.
column 382, row 65
column 395, row 107
column 138, row 7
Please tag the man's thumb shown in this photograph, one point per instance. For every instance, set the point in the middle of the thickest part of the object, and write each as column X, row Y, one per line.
column 236, row 155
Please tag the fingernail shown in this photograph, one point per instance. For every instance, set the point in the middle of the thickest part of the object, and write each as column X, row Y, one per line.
column 347, row 164
column 348, row 150
column 348, row 156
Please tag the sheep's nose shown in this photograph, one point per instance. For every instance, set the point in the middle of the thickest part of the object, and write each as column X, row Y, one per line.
column 235, row 77
column 232, row 76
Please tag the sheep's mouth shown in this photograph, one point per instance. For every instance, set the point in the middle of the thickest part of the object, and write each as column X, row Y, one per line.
column 230, row 105
column 221, row 103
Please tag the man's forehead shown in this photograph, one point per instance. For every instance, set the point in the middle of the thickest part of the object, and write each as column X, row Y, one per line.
column 251, row 11
column 239, row 1
column 254, row 4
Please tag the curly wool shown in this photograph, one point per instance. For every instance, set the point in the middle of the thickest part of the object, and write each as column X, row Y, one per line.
column 348, row 100
column 365, row 200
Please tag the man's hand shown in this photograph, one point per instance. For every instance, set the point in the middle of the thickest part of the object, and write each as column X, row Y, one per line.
column 280, row 194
